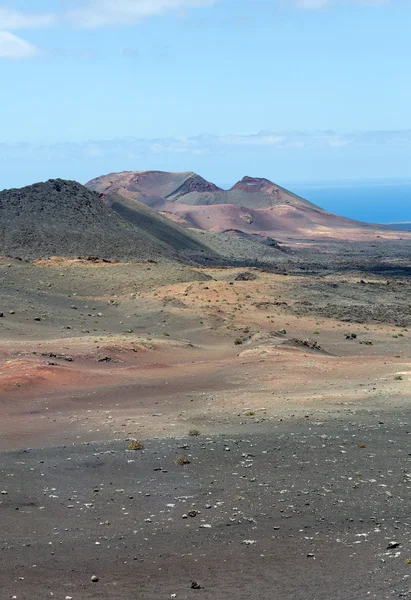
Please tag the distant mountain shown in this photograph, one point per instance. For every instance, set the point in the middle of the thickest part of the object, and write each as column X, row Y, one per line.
column 253, row 206
column 152, row 187
column 403, row 226
column 250, row 192
column 159, row 189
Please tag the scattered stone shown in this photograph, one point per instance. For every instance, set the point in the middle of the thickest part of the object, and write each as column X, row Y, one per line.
column 195, row 586
column 105, row 359
column 57, row 356
column 311, row 345
column 245, row 276
column 249, row 542
column 393, row 545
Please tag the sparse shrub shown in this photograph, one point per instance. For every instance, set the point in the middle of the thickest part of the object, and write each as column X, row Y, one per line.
column 136, row 445
column 362, row 445
column 282, row 331
column 238, row 341
column 183, row 460
column 194, row 432
column 250, row 413
column 316, row 333
column 398, row 378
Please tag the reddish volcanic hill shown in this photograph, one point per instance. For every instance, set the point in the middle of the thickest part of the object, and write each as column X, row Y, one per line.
column 151, row 187
column 254, row 206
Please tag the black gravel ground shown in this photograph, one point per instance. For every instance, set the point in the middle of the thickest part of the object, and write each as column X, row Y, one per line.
column 313, row 511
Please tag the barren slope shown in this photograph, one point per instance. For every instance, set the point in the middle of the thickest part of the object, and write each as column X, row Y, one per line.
column 66, row 219
column 287, row 396
column 255, row 206
column 151, row 187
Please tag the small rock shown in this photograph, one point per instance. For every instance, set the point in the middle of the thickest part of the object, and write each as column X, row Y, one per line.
column 393, row 545
column 195, row 585
column 94, row 578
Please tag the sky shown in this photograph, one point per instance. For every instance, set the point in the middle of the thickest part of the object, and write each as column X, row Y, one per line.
column 291, row 90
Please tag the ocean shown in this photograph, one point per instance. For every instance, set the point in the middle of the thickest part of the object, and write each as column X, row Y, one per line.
column 372, row 201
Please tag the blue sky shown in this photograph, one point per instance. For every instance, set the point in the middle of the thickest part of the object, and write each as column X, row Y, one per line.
column 287, row 89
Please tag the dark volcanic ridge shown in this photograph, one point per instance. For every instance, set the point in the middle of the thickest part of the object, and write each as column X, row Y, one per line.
column 64, row 218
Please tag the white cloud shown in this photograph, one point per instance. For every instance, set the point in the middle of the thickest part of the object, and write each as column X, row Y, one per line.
column 254, row 139
column 13, row 19
column 264, row 141
column 317, row 4
column 311, row 4
column 12, row 46
column 101, row 13
column 106, row 13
